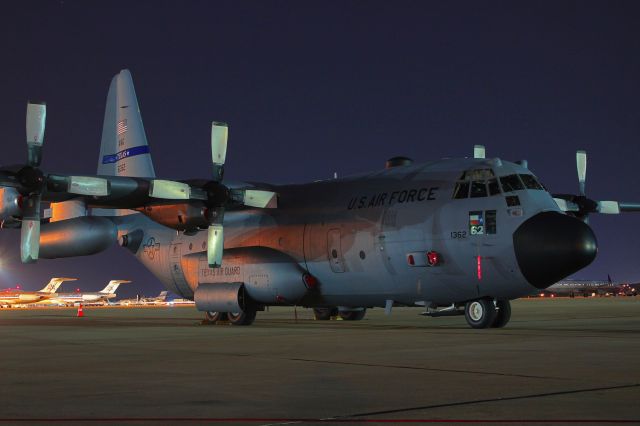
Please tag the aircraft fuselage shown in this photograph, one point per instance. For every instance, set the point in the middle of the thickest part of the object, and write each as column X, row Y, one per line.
column 365, row 240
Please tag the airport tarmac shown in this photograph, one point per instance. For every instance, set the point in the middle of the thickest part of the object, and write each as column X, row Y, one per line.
column 558, row 361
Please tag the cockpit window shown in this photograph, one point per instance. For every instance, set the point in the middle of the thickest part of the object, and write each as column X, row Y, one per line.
column 530, row 182
column 478, row 189
column 494, row 186
column 461, row 190
column 477, row 174
column 511, row 183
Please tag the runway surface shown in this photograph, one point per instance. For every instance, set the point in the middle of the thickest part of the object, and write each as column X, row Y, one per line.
column 558, row 361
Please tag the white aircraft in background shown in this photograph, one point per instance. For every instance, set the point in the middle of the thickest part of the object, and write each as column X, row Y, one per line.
column 102, row 296
column 587, row 288
column 14, row 296
column 158, row 300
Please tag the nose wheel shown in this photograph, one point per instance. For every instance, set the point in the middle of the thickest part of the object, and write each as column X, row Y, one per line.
column 503, row 314
column 485, row 313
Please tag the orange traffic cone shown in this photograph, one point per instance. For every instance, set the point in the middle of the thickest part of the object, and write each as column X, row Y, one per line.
column 80, row 313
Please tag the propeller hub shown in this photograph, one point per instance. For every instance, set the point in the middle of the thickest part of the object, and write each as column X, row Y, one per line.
column 31, row 179
column 217, row 194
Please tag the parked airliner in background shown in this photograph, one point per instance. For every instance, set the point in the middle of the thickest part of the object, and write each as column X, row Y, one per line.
column 456, row 236
column 102, row 296
column 158, row 300
column 587, row 288
column 14, row 296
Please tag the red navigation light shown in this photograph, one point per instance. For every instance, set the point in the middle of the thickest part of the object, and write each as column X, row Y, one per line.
column 309, row 280
column 433, row 258
column 479, row 268
column 411, row 260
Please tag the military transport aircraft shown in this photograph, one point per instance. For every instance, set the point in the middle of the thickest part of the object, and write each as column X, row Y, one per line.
column 19, row 297
column 455, row 236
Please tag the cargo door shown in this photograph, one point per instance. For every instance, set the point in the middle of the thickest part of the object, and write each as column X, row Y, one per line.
column 335, row 251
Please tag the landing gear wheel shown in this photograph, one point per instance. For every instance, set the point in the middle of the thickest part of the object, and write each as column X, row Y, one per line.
column 503, row 315
column 352, row 315
column 245, row 317
column 480, row 313
column 214, row 317
column 324, row 314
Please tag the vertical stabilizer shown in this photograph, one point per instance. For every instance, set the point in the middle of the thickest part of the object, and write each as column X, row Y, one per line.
column 113, row 286
column 124, row 150
column 54, row 284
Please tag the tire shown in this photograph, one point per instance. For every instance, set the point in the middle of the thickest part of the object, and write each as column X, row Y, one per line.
column 503, row 315
column 352, row 315
column 324, row 314
column 216, row 316
column 245, row 317
column 480, row 313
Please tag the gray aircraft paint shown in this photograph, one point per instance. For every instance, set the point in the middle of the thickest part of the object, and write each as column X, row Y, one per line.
column 310, row 216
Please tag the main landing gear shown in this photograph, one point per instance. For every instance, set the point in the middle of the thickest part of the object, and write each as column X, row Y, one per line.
column 245, row 317
column 487, row 313
column 325, row 314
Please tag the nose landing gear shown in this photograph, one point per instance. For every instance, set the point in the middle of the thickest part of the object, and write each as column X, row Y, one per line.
column 486, row 313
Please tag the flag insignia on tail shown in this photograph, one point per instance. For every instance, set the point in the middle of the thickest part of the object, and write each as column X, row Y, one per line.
column 125, row 153
column 122, row 126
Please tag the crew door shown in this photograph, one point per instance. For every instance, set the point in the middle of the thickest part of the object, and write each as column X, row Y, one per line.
column 335, row 251
column 177, row 274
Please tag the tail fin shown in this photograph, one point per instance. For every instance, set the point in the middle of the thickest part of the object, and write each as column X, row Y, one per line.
column 54, row 284
column 124, row 150
column 162, row 295
column 113, row 286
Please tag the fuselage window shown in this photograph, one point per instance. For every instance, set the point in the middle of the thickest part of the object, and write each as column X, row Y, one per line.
column 477, row 174
column 530, row 182
column 494, row 186
column 511, row 183
column 490, row 222
column 461, row 191
column 478, row 189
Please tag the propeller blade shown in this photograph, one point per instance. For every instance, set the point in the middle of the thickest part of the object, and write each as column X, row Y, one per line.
column 478, row 151
column 215, row 245
column 9, row 205
column 219, row 136
column 566, row 206
column 36, row 117
column 581, row 163
column 629, row 207
column 87, row 185
column 169, row 190
column 30, row 240
column 260, row 199
column 608, row 207
column 30, row 232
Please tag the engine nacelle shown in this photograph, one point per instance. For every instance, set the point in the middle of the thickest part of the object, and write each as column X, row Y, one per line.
column 9, row 203
column 220, row 297
column 80, row 236
column 178, row 216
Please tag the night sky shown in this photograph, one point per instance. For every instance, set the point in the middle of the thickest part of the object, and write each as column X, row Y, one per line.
column 312, row 88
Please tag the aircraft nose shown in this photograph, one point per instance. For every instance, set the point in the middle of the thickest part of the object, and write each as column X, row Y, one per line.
column 551, row 246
